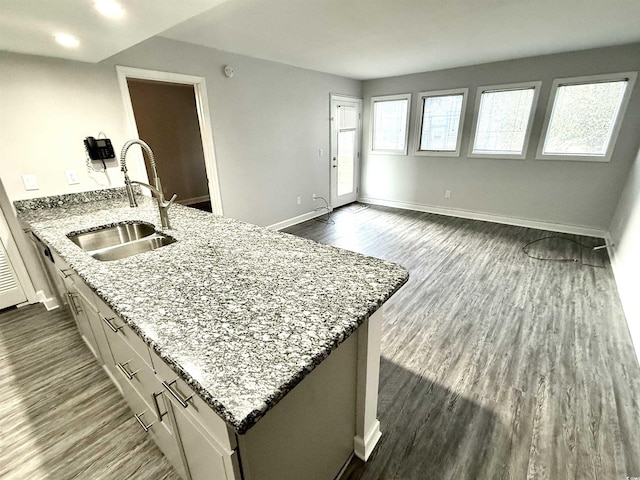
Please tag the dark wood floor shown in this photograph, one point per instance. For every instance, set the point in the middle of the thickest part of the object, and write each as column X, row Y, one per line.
column 495, row 365
column 61, row 418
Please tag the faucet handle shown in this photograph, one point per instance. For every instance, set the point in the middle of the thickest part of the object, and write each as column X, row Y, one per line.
column 168, row 204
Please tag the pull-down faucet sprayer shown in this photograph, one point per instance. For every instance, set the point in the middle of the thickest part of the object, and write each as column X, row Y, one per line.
column 163, row 205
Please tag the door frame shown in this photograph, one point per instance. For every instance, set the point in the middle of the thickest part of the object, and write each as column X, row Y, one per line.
column 335, row 97
column 204, row 119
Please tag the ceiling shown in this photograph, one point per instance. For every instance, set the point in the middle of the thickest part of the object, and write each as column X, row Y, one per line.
column 360, row 39
column 28, row 26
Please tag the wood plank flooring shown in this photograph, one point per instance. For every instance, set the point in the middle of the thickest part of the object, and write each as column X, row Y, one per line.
column 495, row 365
column 60, row 415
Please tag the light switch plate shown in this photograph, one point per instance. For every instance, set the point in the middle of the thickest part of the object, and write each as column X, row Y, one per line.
column 30, row 181
column 72, row 177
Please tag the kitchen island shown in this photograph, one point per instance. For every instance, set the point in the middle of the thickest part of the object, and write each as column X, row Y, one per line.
column 278, row 335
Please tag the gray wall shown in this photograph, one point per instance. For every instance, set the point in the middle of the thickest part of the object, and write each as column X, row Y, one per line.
column 269, row 121
column 47, row 107
column 625, row 235
column 558, row 192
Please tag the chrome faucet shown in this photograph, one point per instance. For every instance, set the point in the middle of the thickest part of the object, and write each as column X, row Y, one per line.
column 163, row 205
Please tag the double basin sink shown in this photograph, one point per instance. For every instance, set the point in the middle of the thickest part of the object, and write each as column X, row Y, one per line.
column 120, row 241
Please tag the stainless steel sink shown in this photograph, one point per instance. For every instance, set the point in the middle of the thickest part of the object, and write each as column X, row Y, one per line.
column 132, row 248
column 120, row 241
column 110, row 236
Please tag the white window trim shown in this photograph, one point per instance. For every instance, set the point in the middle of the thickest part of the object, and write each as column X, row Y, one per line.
column 631, row 80
column 420, row 119
column 511, row 86
column 385, row 98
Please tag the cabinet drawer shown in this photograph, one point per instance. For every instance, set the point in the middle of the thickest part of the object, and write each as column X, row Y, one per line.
column 83, row 289
column 195, row 408
column 61, row 266
column 132, row 369
column 116, row 326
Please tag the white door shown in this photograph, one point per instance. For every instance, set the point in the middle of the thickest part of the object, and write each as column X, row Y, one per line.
column 11, row 292
column 346, row 126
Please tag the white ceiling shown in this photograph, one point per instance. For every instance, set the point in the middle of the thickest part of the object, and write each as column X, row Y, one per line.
column 28, row 26
column 360, row 39
column 380, row 38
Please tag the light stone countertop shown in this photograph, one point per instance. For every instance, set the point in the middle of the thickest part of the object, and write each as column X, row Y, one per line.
column 240, row 312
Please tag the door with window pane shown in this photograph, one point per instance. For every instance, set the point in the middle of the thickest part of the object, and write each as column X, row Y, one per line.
column 346, row 114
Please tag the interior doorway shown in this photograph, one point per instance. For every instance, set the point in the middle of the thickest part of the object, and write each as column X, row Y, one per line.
column 170, row 112
column 346, row 128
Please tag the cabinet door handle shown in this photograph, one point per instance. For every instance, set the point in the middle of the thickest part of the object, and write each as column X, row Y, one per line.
column 106, row 320
column 72, row 303
column 176, row 395
column 155, row 403
column 141, row 422
column 125, row 372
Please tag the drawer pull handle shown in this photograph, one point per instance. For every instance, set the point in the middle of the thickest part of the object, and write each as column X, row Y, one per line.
column 141, row 422
column 106, row 320
column 155, row 403
column 176, row 395
column 125, row 372
column 65, row 273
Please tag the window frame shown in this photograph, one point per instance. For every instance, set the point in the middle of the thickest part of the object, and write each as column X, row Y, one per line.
column 420, row 120
column 387, row 98
column 527, row 136
column 558, row 82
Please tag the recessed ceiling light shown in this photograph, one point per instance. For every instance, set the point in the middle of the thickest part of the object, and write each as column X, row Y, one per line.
column 67, row 40
column 109, row 8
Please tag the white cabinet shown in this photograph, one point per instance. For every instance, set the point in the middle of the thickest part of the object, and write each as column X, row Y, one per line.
column 84, row 304
column 210, row 446
column 202, row 458
column 309, row 434
column 79, row 310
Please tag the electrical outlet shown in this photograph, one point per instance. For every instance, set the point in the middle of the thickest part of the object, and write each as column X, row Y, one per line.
column 298, row 200
column 30, row 181
column 447, row 194
column 72, row 177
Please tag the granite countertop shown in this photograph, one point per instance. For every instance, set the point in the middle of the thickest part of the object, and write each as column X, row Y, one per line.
column 240, row 312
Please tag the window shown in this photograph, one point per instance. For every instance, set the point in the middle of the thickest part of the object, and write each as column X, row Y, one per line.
column 503, row 118
column 390, row 124
column 584, row 117
column 441, row 120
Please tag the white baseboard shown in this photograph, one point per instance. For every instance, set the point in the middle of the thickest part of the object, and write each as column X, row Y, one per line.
column 296, row 220
column 630, row 312
column 363, row 447
column 488, row 217
column 49, row 303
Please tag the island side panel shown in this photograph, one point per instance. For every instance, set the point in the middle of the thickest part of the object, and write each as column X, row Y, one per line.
column 309, row 433
column 367, row 424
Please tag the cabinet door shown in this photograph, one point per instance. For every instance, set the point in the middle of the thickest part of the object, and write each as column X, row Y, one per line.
column 87, row 305
column 203, row 460
column 79, row 314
